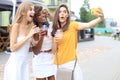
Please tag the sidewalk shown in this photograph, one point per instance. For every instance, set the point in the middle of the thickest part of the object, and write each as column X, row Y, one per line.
column 99, row 59
column 3, row 59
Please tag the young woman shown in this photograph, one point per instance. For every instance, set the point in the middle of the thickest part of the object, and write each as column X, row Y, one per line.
column 65, row 45
column 17, row 66
column 43, row 66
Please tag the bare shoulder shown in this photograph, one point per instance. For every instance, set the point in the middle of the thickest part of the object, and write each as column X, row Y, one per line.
column 15, row 25
column 14, row 28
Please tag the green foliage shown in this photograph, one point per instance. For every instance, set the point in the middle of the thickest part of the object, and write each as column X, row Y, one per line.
column 101, row 24
column 86, row 16
column 83, row 14
column 119, row 38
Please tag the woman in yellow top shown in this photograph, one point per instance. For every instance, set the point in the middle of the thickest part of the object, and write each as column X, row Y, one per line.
column 65, row 45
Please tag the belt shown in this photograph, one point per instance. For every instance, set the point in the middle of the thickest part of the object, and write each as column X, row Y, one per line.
column 46, row 51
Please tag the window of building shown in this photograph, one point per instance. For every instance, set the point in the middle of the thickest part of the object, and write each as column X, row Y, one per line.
column 65, row 1
column 52, row 2
column 60, row 0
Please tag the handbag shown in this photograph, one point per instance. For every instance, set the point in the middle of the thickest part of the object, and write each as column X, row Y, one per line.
column 65, row 74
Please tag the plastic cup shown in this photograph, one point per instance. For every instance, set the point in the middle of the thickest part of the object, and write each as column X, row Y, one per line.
column 59, row 32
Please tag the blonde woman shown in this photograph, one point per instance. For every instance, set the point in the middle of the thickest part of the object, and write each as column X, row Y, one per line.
column 17, row 66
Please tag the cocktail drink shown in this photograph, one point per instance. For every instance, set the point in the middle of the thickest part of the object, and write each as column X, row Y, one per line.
column 59, row 33
column 45, row 29
column 36, row 35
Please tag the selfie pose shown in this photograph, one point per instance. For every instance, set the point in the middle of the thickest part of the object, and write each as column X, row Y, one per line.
column 65, row 44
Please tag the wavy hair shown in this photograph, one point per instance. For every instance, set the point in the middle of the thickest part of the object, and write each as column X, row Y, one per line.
column 38, row 10
column 56, row 21
column 22, row 9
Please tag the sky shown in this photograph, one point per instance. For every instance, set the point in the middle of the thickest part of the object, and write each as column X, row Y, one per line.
column 110, row 7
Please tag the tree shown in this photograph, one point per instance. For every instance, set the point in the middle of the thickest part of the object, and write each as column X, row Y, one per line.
column 86, row 16
column 84, row 11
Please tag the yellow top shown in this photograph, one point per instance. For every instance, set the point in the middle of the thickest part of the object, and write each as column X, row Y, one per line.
column 67, row 46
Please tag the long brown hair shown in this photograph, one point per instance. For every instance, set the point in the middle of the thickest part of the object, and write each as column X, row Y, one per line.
column 56, row 20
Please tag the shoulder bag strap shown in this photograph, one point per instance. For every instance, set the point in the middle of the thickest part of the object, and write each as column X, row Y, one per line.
column 57, row 60
column 75, row 64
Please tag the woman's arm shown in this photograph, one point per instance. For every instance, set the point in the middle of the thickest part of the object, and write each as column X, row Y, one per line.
column 54, row 46
column 14, row 45
column 93, row 22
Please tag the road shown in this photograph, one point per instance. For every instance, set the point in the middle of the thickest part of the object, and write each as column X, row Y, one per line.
column 99, row 59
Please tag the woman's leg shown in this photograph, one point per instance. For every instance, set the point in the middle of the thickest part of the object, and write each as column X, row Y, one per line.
column 51, row 77
column 40, row 78
column 78, row 74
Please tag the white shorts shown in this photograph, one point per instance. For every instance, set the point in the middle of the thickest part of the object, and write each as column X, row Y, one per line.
column 43, row 65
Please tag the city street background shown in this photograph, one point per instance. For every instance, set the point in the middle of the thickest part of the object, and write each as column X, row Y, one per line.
column 99, row 59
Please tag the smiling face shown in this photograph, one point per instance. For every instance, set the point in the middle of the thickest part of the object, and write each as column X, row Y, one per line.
column 30, row 14
column 63, row 15
column 41, row 18
column 24, row 13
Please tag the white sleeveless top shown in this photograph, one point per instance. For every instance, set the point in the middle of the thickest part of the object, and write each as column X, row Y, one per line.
column 47, row 41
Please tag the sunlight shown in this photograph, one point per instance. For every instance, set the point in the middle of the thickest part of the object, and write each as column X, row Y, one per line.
column 110, row 7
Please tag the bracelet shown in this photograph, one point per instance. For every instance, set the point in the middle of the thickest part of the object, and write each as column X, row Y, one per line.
column 32, row 44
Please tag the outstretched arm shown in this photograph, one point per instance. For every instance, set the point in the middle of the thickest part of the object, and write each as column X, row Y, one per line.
column 93, row 22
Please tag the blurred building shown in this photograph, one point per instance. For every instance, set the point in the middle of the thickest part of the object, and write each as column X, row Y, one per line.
column 7, row 10
column 53, row 4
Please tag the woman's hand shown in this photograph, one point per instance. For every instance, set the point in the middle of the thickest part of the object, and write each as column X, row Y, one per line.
column 42, row 33
column 100, row 13
column 32, row 31
column 58, row 37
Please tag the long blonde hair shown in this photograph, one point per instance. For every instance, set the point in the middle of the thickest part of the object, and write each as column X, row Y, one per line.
column 22, row 8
